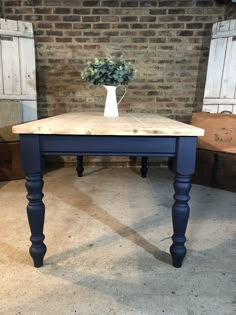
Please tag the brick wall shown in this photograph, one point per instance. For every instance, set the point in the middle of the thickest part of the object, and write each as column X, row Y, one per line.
column 230, row 11
column 168, row 41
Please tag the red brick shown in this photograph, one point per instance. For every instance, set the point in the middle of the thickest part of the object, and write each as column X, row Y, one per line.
column 63, row 39
column 43, row 10
column 71, row 18
column 148, row 3
column 129, row 3
column 62, row 11
column 100, row 11
column 110, row 3
column 63, row 25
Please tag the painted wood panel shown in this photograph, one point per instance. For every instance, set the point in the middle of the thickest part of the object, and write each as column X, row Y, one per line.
column 26, row 27
column 11, row 66
column 232, row 25
column 220, row 101
column 224, row 34
column 210, row 108
column 215, row 67
column 229, row 72
column 27, row 64
column 10, row 25
column 220, row 88
column 225, row 108
column 17, row 66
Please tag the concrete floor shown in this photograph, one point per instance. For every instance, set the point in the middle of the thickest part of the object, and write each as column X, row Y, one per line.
column 108, row 237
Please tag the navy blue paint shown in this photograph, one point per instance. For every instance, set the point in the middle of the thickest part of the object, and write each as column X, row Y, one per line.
column 184, row 167
column 32, row 164
column 110, row 145
column 180, row 215
column 80, row 167
column 34, row 147
column 30, row 153
column 186, row 155
column 36, row 212
column 144, row 166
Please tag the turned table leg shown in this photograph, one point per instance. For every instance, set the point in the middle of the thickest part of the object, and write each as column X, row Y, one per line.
column 144, row 166
column 32, row 164
column 36, row 212
column 80, row 168
column 180, row 215
column 184, row 169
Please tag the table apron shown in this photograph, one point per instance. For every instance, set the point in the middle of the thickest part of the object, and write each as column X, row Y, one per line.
column 107, row 145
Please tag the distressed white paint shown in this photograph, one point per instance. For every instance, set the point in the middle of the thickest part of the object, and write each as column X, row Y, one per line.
column 232, row 25
column 215, row 67
column 15, row 34
column 224, row 34
column 227, row 108
column 229, row 72
column 18, row 97
column 224, row 25
column 211, row 108
column 11, row 66
column 220, row 101
column 10, row 25
column 27, row 63
column 17, row 65
column 25, row 27
column 220, row 88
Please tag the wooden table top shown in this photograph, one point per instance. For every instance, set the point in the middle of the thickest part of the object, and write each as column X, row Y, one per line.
column 90, row 123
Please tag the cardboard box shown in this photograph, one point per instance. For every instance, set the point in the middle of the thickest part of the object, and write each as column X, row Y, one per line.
column 220, row 131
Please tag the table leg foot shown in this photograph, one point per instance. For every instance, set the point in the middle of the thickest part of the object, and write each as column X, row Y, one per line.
column 37, row 252
column 80, row 168
column 144, row 168
column 36, row 213
column 180, row 215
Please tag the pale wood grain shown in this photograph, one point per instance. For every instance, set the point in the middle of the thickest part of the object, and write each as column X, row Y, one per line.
column 96, row 124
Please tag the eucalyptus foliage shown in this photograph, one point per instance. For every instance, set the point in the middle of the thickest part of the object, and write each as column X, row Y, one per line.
column 109, row 72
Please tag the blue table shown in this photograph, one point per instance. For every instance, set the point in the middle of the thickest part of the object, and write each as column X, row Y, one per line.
column 92, row 134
